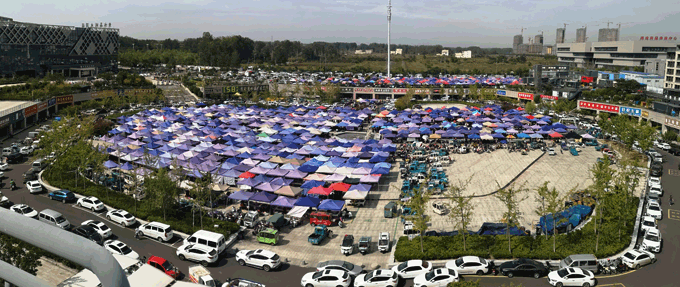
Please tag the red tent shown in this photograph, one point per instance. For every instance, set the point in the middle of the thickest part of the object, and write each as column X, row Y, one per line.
column 555, row 135
column 520, row 109
column 321, row 107
column 247, row 174
column 340, row 186
column 530, row 117
column 320, row 190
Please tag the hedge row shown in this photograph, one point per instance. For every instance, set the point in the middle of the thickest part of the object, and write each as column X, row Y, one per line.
column 182, row 222
column 496, row 247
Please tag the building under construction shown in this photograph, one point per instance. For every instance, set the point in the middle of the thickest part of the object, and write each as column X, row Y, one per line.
column 516, row 42
column 581, row 35
column 560, row 36
column 532, row 48
column 608, row 35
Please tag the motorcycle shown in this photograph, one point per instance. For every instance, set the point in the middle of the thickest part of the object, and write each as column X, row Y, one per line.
column 12, row 185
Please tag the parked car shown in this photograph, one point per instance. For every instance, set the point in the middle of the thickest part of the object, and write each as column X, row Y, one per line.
column 164, row 266
column 4, row 166
column 377, row 278
column 120, row 248
column 523, row 267
column 654, row 210
column 551, row 151
column 62, row 195
column 100, row 227
column 197, row 253
column 326, row 278
column 637, row 258
column 344, row 266
column 121, row 217
column 652, row 241
column 384, row 241
column 654, row 181
column 469, row 265
column 648, row 222
column 571, row 277
column 260, row 258
column 439, row 277
column 34, row 186
column 412, row 268
column 24, row 210
column 89, row 232
column 156, row 230
column 91, row 203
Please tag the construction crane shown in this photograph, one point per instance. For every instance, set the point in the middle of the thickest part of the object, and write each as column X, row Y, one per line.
column 619, row 24
column 565, row 26
column 608, row 22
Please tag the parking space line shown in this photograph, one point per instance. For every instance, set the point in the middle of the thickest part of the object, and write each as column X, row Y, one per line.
column 612, row 285
column 615, row 275
column 674, row 214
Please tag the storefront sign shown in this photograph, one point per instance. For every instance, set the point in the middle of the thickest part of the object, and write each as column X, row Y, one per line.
column 64, row 100
column 630, row 111
column 645, row 114
column 400, row 91
column 51, row 102
column 585, row 79
column 346, row 90
column 42, row 106
column 383, row 90
column 500, row 92
column 363, row 90
column 599, row 106
column 525, row 96
column 4, row 121
column 422, row 91
column 546, row 97
column 673, row 122
column 32, row 110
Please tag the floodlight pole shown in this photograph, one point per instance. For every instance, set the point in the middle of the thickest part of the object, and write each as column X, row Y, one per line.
column 389, row 23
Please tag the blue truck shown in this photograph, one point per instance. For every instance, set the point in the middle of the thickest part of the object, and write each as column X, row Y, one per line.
column 565, row 220
column 320, row 233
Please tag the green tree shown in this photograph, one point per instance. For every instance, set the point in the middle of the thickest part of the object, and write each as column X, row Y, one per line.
column 161, row 189
column 670, row 136
column 20, row 254
column 551, row 203
column 404, row 102
column 530, row 107
column 418, row 204
column 461, row 208
column 511, row 197
column 601, row 174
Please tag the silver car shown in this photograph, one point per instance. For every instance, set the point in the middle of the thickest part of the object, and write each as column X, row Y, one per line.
column 350, row 268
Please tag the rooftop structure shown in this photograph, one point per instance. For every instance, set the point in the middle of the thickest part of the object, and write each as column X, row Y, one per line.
column 623, row 54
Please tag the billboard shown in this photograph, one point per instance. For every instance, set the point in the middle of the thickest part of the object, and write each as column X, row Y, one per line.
column 598, row 106
column 64, row 100
column 42, row 106
column 547, row 97
column 383, row 91
column 227, row 90
column 525, row 96
column 363, row 90
column 500, row 92
column 346, row 90
column 673, row 122
column 630, row 111
column 32, row 110
column 556, row 94
column 399, row 91
column 51, row 102
column 645, row 114
column 585, row 79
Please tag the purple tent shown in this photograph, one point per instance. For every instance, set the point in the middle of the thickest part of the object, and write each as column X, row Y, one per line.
column 241, row 195
column 369, row 179
column 263, row 197
column 259, row 170
column 361, row 187
column 266, row 186
column 283, row 201
column 277, row 172
column 110, row 164
column 296, row 174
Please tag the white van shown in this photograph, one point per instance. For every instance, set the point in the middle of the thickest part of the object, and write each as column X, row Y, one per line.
column 209, row 239
column 52, row 217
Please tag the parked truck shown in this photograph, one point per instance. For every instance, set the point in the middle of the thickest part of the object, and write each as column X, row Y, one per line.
column 320, row 233
column 199, row 275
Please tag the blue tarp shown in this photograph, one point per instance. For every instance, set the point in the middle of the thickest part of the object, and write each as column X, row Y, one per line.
column 308, row 201
column 332, row 205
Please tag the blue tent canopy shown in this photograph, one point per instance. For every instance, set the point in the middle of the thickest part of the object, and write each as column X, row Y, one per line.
column 332, row 205
column 110, row 164
column 283, row 201
column 263, row 197
column 308, row 201
column 241, row 195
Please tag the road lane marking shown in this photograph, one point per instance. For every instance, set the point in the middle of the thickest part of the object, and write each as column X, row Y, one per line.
column 612, row 285
column 674, row 214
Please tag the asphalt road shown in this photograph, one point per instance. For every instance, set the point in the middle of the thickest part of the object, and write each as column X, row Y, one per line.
column 658, row 274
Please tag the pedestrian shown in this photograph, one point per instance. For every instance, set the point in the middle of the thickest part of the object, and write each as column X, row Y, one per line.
column 561, row 151
column 670, row 199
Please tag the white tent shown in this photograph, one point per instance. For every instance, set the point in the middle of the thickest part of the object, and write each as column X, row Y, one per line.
column 355, row 195
column 297, row 211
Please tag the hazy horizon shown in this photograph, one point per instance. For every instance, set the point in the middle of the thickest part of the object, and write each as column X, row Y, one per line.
column 483, row 23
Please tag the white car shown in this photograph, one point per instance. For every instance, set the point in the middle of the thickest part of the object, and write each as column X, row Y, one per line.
column 469, row 265
column 326, row 278
column 636, row 258
column 197, row 253
column 571, row 277
column 439, row 277
column 2, row 174
column 156, row 230
column 27, row 150
column 91, row 203
column 4, row 166
column 654, row 210
column 652, row 241
column 121, row 217
column 52, row 155
column 260, row 258
column 653, row 198
column 656, row 189
column 100, row 227
column 664, row 146
column 118, row 247
column 377, row 278
column 34, row 186
column 654, row 181
column 24, row 210
column 412, row 268
column 648, row 223
column 551, row 151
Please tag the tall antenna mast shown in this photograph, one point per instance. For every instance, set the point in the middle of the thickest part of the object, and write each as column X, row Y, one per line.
column 389, row 23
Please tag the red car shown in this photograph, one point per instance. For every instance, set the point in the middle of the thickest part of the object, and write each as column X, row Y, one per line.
column 163, row 265
column 322, row 218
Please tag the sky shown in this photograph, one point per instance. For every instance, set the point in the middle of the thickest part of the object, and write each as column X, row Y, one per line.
column 484, row 23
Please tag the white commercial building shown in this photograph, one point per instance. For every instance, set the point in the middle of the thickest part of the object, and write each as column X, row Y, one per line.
column 464, row 55
column 622, row 54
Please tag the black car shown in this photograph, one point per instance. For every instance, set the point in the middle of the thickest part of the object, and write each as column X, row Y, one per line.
column 523, row 267
column 89, row 232
column 30, row 176
column 674, row 150
column 656, row 169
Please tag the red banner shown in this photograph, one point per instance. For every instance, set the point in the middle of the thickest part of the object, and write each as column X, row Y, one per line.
column 400, row 91
column 64, row 100
column 546, row 97
column 525, row 96
column 599, row 106
column 585, row 79
column 32, row 110
column 42, row 106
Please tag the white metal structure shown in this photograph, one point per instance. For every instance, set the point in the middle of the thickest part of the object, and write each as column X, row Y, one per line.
column 197, row 253
column 652, row 241
column 156, row 230
column 121, row 217
column 260, row 258
column 100, row 227
column 571, row 277
column 91, row 203
column 119, row 248
column 412, row 268
column 637, row 258
column 377, row 278
column 326, row 278
column 439, row 277
column 24, row 210
column 389, row 24
column 469, row 265
column 34, row 186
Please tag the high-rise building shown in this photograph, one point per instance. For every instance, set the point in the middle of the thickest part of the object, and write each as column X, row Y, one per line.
column 560, row 36
column 538, row 39
column 516, row 42
column 672, row 75
column 581, row 35
column 608, row 35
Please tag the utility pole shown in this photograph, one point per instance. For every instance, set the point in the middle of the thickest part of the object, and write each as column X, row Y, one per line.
column 389, row 23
